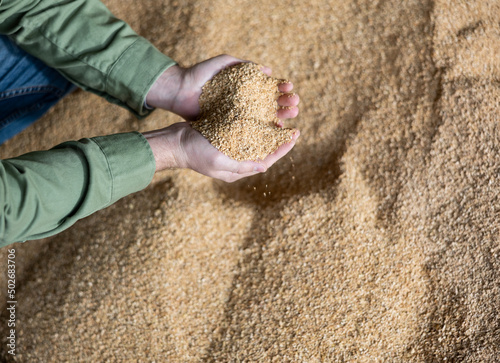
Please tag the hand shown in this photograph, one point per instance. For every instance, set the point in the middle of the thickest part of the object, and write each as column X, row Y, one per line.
column 178, row 89
column 180, row 146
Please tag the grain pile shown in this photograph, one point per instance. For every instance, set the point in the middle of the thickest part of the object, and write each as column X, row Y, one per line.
column 239, row 113
column 376, row 240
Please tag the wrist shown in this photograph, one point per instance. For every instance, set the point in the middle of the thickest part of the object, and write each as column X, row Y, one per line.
column 164, row 91
column 165, row 145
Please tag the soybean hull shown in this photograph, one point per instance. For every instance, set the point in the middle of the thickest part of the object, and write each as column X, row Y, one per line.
column 238, row 113
column 376, row 240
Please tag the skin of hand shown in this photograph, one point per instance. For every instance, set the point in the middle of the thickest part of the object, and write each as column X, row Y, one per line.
column 180, row 146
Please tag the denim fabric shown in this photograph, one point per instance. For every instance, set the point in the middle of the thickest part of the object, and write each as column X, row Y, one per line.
column 28, row 88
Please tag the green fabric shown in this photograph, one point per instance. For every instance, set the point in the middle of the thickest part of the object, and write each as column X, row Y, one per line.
column 42, row 193
column 88, row 45
column 45, row 192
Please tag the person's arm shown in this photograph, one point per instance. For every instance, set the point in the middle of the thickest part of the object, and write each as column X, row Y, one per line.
column 88, row 45
column 45, row 192
column 42, row 193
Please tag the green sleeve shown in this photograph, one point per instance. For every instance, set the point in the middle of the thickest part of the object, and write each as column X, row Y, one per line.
column 88, row 45
column 45, row 192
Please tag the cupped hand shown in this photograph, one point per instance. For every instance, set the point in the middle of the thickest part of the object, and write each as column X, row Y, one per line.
column 179, row 145
column 178, row 89
column 198, row 154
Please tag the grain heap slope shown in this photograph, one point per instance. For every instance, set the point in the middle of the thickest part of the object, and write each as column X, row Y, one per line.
column 375, row 239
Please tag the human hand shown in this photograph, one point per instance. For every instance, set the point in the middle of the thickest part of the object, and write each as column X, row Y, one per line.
column 180, row 146
column 178, row 89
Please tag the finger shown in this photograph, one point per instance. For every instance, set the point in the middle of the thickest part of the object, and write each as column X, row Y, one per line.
column 281, row 151
column 288, row 112
column 232, row 177
column 225, row 60
column 289, row 99
column 225, row 164
column 241, row 170
column 285, row 86
column 266, row 70
column 249, row 168
column 245, row 169
column 218, row 63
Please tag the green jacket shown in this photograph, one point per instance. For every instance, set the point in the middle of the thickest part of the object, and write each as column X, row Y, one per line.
column 42, row 193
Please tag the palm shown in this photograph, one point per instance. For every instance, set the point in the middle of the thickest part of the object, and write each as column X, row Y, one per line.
column 179, row 89
column 186, row 101
column 202, row 157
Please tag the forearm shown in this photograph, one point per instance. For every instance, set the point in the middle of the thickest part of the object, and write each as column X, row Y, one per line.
column 88, row 45
column 43, row 193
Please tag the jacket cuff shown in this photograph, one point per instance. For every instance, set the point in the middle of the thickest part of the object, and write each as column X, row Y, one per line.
column 135, row 72
column 130, row 161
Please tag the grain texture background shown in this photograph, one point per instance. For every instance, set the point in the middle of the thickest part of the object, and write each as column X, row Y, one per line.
column 376, row 240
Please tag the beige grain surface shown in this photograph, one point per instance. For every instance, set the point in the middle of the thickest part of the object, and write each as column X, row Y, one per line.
column 377, row 239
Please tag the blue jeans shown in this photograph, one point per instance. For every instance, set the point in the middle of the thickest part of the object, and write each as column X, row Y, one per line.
column 28, row 88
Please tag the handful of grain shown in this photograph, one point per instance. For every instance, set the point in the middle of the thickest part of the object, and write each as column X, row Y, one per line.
column 238, row 113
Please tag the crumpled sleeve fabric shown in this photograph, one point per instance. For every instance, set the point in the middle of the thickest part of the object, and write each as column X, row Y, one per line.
column 45, row 192
column 88, row 45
